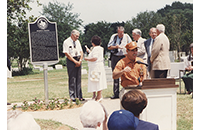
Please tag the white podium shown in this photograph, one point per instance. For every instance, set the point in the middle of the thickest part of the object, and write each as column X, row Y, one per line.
column 161, row 105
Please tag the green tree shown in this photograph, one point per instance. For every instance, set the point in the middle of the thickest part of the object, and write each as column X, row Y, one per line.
column 143, row 21
column 102, row 29
column 178, row 21
column 65, row 19
column 17, row 32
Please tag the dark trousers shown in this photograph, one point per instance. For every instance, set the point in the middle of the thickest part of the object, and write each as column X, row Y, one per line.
column 74, row 74
column 114, row 60
column 160, row 73
column 188, row 80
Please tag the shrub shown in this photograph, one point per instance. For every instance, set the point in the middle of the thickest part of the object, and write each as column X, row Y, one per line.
column 24, row 71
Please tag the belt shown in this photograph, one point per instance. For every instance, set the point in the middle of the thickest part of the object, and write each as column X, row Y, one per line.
column 118, row 56
column 77, row 57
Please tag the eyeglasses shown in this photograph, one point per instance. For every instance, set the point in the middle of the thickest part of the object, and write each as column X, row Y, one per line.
column 134, row 50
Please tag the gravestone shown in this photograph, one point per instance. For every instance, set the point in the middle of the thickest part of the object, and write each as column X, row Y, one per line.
column 171, row 56
column 58, row 67
column 83, row 71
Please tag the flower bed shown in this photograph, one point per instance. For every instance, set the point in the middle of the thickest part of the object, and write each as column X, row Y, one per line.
column 53, row 104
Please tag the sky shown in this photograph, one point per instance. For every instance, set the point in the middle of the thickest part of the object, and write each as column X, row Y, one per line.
column 92, row 11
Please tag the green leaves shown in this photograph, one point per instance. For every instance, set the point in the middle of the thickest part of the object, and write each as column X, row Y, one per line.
column 65, row 19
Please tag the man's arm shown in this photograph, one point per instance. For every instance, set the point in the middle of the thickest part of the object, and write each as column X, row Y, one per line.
column 80, row 60
column 113, row 47
column 155, row 49
column 73, row 60
column 141, row 49
column 117, row 74
column 90, row 59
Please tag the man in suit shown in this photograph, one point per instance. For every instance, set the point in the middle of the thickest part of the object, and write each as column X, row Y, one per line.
column 148, row 46
column 135, row 101
column 137, row 36
column 160, row 53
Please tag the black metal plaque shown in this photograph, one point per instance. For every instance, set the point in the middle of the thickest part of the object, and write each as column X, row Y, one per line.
column 43, row 41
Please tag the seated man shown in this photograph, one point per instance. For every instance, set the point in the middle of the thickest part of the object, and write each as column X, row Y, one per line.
column 130, row 71
column 92, row 115
column 135, row 101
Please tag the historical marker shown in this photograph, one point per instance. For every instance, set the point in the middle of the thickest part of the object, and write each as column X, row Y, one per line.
column 43, row 41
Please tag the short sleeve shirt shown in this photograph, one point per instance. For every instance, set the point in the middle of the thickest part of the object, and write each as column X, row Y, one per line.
column 70, row 48
column 119, row 41
column 137, row 71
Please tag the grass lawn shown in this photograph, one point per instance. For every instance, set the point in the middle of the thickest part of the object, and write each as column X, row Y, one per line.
column 28, row 87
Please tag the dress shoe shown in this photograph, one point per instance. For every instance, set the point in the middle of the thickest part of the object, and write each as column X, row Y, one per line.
column 73, row 100
column 114, row 97
column 81, row 99
column 99, row 100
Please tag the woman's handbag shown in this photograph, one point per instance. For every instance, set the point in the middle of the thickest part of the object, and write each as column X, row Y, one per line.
column 95, row 76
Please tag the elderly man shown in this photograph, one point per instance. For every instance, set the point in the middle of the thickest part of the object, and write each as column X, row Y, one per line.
column 92, row 115
column 137, row 36
column 148, row 46
column 131, row 72
column 74, row 53
column 117, row 45
column 160, row 53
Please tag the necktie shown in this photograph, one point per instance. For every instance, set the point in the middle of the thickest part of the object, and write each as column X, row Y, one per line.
column 74, row 44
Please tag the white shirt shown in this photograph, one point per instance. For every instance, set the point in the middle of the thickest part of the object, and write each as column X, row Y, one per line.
column 88, row 129
column 126, row 39
column 68, row 47
column 96, row 52
column 141, row 48
column 150, row 47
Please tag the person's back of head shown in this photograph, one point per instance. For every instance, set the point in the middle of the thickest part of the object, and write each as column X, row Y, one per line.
column 160, row 28
column 134, row 101
column 17, row 120
column 122, row 120
column 92, row 114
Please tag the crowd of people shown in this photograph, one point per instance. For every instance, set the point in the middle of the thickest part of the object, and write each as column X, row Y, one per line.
column 132, row 61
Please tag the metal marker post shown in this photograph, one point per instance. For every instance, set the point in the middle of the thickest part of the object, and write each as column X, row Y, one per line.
column 45, row 69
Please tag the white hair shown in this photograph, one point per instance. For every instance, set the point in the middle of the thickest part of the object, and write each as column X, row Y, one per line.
column 120, row 28
column 75, row 32
column 91, row 114
column 137, row 31
column 17, row 120
column 160, row 28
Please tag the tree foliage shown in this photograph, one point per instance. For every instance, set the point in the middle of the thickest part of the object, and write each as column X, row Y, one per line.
column 103, row 30
column 17, row 30
column 177, row 18
column 143, row 21
column 178, row 21
column 65, row 19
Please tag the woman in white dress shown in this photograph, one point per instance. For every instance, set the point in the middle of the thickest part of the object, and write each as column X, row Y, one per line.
column 97, row 77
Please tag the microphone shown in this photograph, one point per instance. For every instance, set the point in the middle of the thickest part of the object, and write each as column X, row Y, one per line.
column 139, row 62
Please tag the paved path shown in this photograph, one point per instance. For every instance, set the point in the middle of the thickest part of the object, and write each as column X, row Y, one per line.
column 71, row 116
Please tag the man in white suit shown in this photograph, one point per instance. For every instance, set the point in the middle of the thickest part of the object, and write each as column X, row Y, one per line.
column 137, row 36
column 160, row 53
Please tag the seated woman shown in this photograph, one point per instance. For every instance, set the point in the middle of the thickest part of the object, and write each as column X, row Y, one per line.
column 188, row 77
